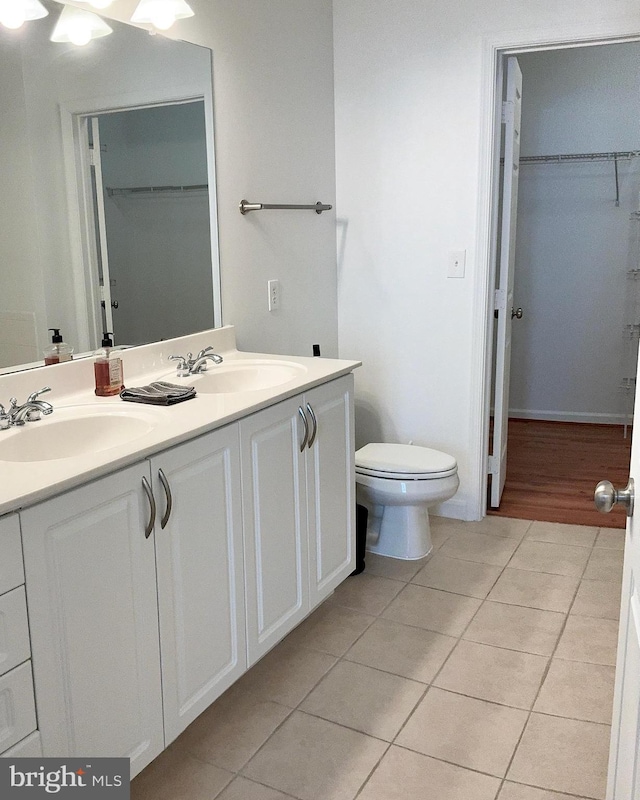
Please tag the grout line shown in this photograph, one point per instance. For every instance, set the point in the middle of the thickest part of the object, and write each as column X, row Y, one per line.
column 373, row 769
column 544, row 676
column 554, row 791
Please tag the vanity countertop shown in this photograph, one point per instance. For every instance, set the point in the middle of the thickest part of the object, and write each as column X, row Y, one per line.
column 24, row 482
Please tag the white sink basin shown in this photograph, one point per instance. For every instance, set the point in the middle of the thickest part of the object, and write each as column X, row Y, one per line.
column 245, row 376
column 74, row 431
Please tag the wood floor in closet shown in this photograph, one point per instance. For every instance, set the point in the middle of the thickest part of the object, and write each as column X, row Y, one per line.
column 553, row 468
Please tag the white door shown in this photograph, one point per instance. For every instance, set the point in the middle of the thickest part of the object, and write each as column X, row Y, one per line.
column 504, row 293
column 198, row 541
column 624, row 760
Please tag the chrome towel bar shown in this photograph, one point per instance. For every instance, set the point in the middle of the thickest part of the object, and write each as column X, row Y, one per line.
column 246, row 206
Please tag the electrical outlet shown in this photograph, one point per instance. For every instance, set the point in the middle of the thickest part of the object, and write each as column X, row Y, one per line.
column 455, row 268
column 274, row 295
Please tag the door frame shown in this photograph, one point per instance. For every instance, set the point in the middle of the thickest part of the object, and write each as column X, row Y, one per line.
column 494, row 52
column 73, row 117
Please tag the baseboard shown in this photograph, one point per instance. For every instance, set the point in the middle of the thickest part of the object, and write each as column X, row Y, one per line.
column 573, row 416
column 453, row 509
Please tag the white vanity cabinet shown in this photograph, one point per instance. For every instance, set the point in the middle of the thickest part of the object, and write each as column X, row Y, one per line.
column 152, row 589
column 298, row 501
column 97, row 602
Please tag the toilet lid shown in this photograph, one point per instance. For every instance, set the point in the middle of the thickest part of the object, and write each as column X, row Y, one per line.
column 407, row 459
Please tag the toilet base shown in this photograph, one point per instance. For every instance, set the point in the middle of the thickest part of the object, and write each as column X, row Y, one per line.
column 399, row 532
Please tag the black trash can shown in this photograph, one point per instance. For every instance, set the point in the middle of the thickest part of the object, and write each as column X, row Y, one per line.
column 362, row 515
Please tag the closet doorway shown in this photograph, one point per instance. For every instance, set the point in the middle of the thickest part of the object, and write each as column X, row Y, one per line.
column 577, row 256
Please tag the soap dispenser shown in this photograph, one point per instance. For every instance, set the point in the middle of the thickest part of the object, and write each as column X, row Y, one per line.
column 58, row 351
column 108, row 369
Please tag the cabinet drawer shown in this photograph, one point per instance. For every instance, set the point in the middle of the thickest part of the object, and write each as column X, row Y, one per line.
column 11, row 568
column 14, row 630
column 31, row 747
column 17, row 706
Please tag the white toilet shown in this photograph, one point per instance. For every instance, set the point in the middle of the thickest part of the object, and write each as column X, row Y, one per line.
column 396, row 483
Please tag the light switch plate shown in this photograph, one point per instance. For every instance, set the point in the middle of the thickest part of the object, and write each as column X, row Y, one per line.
column 274, row 294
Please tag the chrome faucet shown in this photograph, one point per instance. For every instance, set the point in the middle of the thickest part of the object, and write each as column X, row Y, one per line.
column 30, row 411
column 200, row 364
column 188, row 365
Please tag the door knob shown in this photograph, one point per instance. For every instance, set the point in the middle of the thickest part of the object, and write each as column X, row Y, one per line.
column 516, row 312
column 606, row 496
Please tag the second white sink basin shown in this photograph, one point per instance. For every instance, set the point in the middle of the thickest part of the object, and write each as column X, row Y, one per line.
column 245, row 376
column 74, row 431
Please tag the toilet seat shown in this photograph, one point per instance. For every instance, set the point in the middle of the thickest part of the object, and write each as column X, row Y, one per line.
column 404, row 462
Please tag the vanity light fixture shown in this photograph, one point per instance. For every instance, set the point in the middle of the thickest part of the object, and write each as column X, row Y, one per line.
column 79, row 27
column 13, row 13
column 161, row 13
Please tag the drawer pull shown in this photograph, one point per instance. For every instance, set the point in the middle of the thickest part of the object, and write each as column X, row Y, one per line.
column 312, row 438
column 306, row 429
column 152, row 507
column 167, row 491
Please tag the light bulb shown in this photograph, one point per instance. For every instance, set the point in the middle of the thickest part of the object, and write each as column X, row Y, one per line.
column 12, row 16
column 79, row 35
column 161, row 13
column 13, row 13
column 163, row 19
column 79, row 27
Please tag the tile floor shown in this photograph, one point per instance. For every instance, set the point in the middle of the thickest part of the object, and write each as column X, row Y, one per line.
column 483, row 673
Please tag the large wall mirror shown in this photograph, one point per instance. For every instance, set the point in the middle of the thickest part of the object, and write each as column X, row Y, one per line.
column 107, row 201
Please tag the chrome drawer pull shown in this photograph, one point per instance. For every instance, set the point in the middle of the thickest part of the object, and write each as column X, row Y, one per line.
column 152, row 507
column 167, row 492
column 315, row 425
column 306, row 429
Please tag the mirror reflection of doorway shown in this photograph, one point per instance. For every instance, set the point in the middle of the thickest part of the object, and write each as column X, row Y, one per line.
column 151, row 222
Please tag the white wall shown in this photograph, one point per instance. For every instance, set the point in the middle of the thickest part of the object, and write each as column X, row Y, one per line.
column 412, row 81
column 274, row 124
column 574, row 245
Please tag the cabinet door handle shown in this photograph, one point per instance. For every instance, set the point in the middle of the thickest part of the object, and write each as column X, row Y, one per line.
column 306, row 429
column 167, row 492
column 152, row 507
column 312, row 438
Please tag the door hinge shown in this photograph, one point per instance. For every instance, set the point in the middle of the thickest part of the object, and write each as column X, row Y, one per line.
column 508, row 110
column 499, row 300
column 92, row 157
column 492, row 465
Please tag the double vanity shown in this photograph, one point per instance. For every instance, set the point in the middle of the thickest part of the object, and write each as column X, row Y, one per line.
column 150, row 555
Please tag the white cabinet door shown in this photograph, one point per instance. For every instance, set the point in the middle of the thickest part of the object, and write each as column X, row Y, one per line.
column 330, row 486
column 200, row 573
column 275, row 524
column 91, row 594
